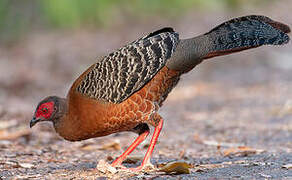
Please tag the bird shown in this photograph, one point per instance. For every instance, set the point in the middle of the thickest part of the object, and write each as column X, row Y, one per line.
column 124, row 90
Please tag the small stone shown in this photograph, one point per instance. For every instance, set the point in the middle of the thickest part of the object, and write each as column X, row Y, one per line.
column 26, row 165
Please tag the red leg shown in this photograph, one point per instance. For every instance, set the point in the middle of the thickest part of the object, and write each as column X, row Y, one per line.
column 153, row 141
column 139, row 139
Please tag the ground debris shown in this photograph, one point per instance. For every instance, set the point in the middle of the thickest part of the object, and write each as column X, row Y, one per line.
column 221, row 144
column 241, row 151
column 176, row 168
column 206, row 167
column 26, row 165
column 105, row 167
column 27, row 176
column 16, row 164
column 265, row 175
column 287, row 166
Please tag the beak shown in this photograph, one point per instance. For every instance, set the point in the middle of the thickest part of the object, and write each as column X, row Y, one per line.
column 33, row 122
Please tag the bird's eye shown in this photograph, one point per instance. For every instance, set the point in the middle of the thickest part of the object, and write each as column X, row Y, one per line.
column 45, row 110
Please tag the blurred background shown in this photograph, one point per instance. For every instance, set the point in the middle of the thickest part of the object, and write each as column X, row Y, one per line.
column 46, row 44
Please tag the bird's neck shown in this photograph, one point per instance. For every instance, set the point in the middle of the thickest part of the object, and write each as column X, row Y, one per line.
column 61, row 113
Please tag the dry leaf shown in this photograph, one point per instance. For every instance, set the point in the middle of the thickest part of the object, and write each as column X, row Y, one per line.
column 287, row 166
column 176, row 168
column 115, row 145
column 241, row 151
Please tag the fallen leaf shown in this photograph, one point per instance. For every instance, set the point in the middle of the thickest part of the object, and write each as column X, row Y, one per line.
column 115, row 145
column 287, row 166
column 176, row 168
column 241, row 151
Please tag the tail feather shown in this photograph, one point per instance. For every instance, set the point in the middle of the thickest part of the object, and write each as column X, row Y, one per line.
column 244, row 33
column 232, row 36
column 250, row 18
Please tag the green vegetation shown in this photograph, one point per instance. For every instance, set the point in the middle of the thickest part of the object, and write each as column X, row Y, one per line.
column 18, row 17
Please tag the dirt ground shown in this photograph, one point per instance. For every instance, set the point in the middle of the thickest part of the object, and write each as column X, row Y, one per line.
column 228, row 118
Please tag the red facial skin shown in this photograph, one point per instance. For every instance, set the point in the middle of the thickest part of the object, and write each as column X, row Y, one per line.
column 45, row 110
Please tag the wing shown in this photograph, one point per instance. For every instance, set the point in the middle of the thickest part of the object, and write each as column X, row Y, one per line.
column 125, row 71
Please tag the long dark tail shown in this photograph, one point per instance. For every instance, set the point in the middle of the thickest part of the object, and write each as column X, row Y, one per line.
column 232, row 36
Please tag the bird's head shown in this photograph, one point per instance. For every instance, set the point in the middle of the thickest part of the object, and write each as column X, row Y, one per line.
column 49, row 109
